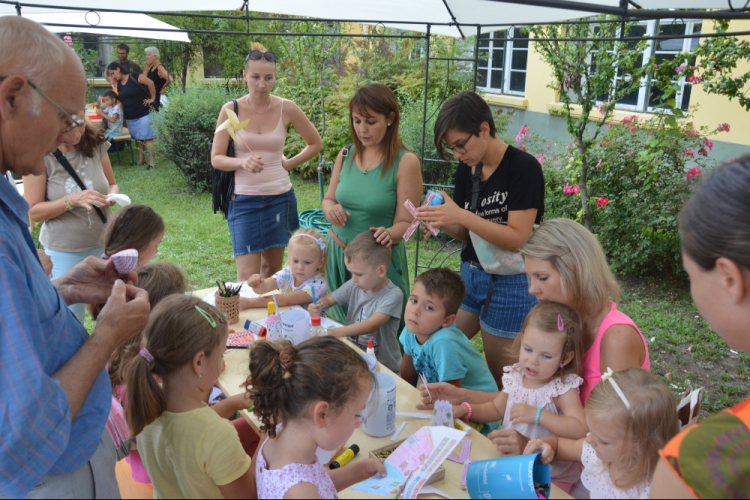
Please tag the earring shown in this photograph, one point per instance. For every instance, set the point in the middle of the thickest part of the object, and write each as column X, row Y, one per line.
column 389, row 124
column 562, row 365
column 200, row 375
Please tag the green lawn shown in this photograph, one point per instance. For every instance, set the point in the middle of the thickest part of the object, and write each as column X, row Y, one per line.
column 683, row 350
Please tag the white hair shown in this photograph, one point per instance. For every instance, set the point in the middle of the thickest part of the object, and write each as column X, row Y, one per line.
column 32, row 51
column 153, row 51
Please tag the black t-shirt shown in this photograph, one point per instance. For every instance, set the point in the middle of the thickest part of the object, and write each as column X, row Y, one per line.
column 517, row 184
column 132, row 95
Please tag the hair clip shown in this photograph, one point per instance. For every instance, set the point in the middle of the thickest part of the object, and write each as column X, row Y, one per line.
column 560, row 323
column 320, row 243
column 608, row 375
column 211, row 320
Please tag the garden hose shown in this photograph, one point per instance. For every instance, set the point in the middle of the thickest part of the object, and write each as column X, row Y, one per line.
column 314, row 219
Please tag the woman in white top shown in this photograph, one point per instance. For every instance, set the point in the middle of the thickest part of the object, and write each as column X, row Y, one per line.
column 263, row 212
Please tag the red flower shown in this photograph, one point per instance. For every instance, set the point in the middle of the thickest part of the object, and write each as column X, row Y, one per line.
column 690, row 79
column 690, row 153
column 702, row 151
column 693, row 172
column 630, row 153
column 709, row 144
column 570, row 190
column 601, row 202
column 723, row 127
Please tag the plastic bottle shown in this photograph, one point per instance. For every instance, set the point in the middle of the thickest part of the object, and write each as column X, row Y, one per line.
column 317, row 329
column 273, row 324
column 371, row 352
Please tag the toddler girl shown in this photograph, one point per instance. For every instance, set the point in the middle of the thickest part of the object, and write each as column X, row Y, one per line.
column 631, row 416
column 189, row 451
column 302, row 281
column 540, row 392
column 318, row 390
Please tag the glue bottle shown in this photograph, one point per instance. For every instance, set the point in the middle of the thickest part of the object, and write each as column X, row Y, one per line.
column 273, row 324
column 317, row 329
column 371, row 352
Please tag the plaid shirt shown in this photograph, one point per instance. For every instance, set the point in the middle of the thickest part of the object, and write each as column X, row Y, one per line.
column 38, row 335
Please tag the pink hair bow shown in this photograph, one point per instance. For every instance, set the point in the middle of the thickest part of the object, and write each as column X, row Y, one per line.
column 415, row 223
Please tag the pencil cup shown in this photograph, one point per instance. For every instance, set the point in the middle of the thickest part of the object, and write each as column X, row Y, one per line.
column 509, row 477
column 230, row 306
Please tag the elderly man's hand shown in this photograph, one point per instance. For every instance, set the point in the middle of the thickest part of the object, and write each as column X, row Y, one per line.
column 91, row 281
column 124, row 316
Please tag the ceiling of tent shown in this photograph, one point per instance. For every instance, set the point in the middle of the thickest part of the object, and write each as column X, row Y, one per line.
column 416, row 13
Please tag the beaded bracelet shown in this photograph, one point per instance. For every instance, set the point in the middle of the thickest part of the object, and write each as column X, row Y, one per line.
column 67, row 203
column 538, row 420
column 468, row 407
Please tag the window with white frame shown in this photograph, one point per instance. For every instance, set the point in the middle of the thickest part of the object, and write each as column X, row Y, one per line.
column 502, row 61
column 647, row 96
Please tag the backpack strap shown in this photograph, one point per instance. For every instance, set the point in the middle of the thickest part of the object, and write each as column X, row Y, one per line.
column 69, row 168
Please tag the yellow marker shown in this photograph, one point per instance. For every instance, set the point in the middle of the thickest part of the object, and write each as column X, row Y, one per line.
column 345, row 457
column 461, row 426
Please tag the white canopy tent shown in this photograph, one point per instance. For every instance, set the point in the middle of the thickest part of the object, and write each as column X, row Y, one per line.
column 444, row 15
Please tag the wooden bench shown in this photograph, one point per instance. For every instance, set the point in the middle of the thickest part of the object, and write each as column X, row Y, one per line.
column 125, row 138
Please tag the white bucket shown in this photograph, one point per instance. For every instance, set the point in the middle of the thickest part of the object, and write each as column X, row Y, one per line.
column 379, row 417
column 295, row 326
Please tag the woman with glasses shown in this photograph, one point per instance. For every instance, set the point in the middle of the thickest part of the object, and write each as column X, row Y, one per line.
column 73, row 228
column 263, row 208
column 136, row 93
column 497, row 202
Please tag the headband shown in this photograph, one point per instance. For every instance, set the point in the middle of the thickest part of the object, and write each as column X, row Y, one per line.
column 319, row 241
column 609, row 376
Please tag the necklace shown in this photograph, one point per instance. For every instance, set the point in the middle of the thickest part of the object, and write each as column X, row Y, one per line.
column 253, row 109
column 369, row 166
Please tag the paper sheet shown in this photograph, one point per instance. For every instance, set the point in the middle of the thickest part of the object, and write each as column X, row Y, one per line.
column 423, row 452
column 245, row 291
column 429, row 489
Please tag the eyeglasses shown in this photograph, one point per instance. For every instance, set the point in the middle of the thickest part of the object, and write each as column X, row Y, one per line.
column 72, row 122
column 460, row 149
column 257, row 55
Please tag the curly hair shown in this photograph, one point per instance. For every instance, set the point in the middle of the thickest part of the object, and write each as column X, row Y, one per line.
column 284, row 380
column 92, row 137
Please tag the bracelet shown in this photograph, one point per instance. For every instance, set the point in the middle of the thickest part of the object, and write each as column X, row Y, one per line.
column 67, row 203
column 468, row 407
column 538, row 419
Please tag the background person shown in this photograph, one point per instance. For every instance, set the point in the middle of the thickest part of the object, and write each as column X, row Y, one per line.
column 135, row 105
column 54, row 390
column 123, row 51
column 497, row 201
column 263, row 214
column 158, row 74
column 369, row 187
column 72, row 228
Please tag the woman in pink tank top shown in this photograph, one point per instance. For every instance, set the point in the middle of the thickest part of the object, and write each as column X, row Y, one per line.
column 263, row 212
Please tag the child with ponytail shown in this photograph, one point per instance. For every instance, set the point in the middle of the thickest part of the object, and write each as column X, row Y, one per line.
column 188, row 449
column 318, row 390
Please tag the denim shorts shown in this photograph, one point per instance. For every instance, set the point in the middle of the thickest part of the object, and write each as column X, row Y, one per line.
column 502, row 313
column 257, row 223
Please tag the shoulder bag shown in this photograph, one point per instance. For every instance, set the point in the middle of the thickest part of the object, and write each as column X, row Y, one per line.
column 222, row 182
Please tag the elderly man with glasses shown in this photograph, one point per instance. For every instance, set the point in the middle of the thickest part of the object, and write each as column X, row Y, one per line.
column 55, row 395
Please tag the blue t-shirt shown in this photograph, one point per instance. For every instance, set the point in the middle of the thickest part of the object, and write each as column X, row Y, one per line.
column 448, row 355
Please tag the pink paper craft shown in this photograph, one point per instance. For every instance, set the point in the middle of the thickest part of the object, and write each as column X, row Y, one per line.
column 415, row 223
column 465, row 452
column 465, row 471
column 125, row 261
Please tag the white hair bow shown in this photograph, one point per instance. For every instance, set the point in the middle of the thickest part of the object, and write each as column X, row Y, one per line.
column 608, row 375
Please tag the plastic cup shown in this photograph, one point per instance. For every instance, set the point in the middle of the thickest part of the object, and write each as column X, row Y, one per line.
column 295, row 326
column 508, row 477
column 379, row 417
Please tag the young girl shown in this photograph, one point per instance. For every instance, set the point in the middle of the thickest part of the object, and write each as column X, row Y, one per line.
column 318, row 391
column 540, row 392
column 631, row 415
column 188, row 450
column 301, row 281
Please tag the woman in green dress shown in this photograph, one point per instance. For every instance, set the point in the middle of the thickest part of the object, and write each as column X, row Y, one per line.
column 369, row 185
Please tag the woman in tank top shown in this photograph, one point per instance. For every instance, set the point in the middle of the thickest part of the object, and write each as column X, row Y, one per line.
column 263, row 213
column 157, row 73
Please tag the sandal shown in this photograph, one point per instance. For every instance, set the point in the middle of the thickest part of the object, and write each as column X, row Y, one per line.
column 141, row 163
column 149, row 167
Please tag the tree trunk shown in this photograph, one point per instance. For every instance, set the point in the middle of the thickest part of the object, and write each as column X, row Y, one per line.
column 583, row 183
column 185, row 62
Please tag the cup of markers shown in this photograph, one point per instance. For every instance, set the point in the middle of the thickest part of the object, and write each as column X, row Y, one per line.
column 228, row 301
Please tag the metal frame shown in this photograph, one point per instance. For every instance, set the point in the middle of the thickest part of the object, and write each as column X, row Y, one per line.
column 627, row 11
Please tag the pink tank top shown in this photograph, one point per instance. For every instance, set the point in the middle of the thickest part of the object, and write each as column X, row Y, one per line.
column 274, row 179
column 592, row 374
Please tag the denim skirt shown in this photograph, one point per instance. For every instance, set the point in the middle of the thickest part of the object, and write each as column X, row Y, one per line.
column 257, row 223
column 140, row 128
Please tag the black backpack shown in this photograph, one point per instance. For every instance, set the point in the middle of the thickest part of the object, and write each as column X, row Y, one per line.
column 222, row 183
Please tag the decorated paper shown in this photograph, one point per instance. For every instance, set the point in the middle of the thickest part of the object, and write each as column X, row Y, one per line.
column 442, row 414
column 233, row 125
column 121, row 199
column 415, row 223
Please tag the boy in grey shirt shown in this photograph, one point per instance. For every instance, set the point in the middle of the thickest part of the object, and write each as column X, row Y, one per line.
column 374, row 303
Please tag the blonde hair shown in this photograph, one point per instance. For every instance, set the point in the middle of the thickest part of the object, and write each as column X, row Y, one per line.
column 578, row 256
column 258, row 46
column 647, row 426
column 308, row 242
column 547, row 316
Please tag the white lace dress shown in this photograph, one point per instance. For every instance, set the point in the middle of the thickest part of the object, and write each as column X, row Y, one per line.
column 568, row 472
column 595, row 477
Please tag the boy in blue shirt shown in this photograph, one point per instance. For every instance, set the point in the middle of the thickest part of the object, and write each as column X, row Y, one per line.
column 433, row 345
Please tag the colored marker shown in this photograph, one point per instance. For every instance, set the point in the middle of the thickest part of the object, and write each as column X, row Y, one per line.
column 345, row 457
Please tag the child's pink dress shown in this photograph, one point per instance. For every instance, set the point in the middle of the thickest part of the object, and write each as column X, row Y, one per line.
column 275, row 483
column 137, row 470
column 564, row 472
column 595, row 478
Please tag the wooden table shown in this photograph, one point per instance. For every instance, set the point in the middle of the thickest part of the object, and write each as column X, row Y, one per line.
column 407, row 397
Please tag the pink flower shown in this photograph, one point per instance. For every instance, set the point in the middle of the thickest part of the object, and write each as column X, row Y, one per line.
column 690, row 153
column 601, row 202
column 540, row 159
column 570, row 190
column 629, row 119
column 606, row 143
column 679, row 68
column 599, row 165
column 696, row 80
column 709, row 144
column 630, row 153
column 549, row 146
column 693, row 172
column 634, row 128
column 576, row 189
column 68, row 39
column 702, row 151
column 723, row 127
column 694, row 133
column 523, row 131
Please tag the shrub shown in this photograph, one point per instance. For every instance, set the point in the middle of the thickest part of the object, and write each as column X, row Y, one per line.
column 186, row 125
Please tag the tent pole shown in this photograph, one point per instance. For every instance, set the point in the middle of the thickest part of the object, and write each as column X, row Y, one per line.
column 424, row 125
column 18, row 9
column 476, row 57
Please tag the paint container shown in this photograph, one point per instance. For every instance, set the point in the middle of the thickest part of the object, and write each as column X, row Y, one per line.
column 379, row 416
column 508, row 477
column 295, row 326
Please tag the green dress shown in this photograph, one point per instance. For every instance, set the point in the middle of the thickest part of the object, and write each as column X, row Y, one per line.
column 371, row 200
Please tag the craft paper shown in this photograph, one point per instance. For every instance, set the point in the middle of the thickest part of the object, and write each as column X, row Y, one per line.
column 415, row 223
column 121, row 199
column 125, row 261
column 425, row 416
column 233, row 125
column 442, row 414
column 422, row 453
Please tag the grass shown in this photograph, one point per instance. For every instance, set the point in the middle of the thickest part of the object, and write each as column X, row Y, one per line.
column 683, row 348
